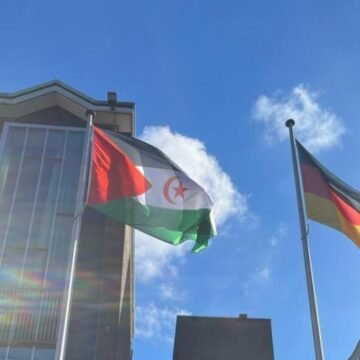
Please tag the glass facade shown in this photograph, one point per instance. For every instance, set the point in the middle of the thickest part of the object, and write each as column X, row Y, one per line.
column 39, row 183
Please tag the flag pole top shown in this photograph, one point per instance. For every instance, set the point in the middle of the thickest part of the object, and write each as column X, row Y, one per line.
column 90, row 116
column 290, row 123
column 90, row 113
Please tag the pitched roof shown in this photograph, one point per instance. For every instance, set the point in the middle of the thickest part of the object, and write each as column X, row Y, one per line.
column 59, row 87
column 58, row 94
column 356, row 353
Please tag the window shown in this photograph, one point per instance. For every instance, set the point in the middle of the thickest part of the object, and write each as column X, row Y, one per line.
column 39, row 183
column 19, row 354
column 44, row 354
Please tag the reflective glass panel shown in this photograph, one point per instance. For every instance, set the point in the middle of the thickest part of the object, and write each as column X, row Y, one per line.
column 48, row 191
column 44, row 354
column 34, row 268
column 2, row 352
column 27, row 185
column 12, row 264
column 39, row 180
column 19, row 354
column 9, row 169
column 72, row 165
column 60, row 252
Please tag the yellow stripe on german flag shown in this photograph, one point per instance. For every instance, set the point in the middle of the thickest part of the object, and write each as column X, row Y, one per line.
column 328, row 199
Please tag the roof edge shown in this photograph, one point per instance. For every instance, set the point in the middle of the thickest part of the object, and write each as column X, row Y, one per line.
column 68, row 88
column 224, row 318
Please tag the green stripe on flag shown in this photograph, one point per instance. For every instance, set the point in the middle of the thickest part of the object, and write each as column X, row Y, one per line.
column 181, row 224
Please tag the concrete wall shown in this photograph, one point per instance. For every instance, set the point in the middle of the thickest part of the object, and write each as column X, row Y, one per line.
column 205, row 338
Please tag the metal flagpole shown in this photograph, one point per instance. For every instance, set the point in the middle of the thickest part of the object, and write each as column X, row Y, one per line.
column 80, row 208
column 307, row 259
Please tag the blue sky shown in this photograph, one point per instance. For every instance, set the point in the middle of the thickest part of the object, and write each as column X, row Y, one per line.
column 217, row 80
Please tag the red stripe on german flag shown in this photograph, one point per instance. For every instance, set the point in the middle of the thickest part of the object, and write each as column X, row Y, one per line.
column 329, row 200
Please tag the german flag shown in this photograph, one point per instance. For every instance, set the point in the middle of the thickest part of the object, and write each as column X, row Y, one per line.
column 328, row 199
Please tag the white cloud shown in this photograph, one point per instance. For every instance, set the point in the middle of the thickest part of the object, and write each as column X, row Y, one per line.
column 280, row 233
column 168, row 291
column 153, row 322
column 262, row 274
column 153, row 257
column 282, row 230
column 191, row 155
column 317, row 128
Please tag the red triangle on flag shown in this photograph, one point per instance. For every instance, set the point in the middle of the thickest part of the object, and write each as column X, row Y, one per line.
column 113, row 174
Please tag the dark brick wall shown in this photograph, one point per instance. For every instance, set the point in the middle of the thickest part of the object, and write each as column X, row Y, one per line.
column 208, row 338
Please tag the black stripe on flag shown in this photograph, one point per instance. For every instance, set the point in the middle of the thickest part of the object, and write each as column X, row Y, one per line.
column 350, row 195
column 141, row 153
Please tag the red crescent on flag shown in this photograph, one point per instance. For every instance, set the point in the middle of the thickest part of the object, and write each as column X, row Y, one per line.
column 166, row 189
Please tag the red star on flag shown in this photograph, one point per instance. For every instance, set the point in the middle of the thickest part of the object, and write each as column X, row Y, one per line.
column 180, row 190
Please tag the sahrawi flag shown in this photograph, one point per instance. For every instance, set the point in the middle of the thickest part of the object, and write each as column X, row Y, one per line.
column 328, row 199
column 136, row 184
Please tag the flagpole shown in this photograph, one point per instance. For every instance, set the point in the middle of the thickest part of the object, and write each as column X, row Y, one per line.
column 307, row 258
column 79, row 212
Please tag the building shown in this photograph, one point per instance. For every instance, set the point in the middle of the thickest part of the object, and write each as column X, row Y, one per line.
column 210, row 338
column 41, row 157
column 356, row 353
